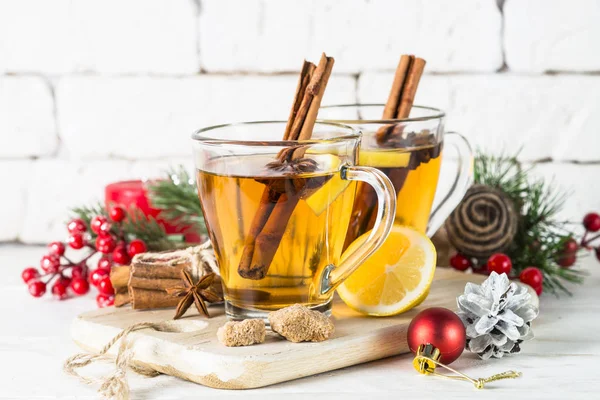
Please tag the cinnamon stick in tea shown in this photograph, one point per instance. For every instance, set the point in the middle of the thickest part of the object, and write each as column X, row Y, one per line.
column 402, row 95
column 276, row 206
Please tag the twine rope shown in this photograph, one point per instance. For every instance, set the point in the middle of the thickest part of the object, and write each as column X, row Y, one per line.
column 114, row 385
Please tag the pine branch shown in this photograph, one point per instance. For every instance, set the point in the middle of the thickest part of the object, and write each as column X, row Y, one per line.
column 177, row 197
column 540, row 237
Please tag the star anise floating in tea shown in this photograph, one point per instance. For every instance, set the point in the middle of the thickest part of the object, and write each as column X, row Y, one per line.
column 195, row 293
column 293, row 167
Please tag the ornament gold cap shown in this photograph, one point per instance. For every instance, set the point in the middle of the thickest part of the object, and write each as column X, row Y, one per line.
column 425, row 353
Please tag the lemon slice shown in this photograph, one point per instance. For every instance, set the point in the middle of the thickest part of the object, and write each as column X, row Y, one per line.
column 322, row 198
column 395, row 278
column 383, row 158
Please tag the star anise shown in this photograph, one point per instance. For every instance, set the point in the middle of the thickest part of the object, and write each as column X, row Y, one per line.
column 196, row 293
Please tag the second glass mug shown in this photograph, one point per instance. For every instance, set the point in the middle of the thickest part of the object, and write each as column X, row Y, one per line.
column 409, row 152
column 278, row 228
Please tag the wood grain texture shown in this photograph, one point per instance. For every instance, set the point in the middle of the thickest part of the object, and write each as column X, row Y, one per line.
column 189, row 349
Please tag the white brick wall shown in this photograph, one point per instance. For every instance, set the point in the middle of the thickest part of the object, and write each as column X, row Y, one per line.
column 108, row 36
column 97, row 90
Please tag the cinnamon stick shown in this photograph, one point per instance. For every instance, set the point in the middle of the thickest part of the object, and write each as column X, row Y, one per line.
column 391, row 107
column 409, row 90
column 402, row 95
column 276, row 207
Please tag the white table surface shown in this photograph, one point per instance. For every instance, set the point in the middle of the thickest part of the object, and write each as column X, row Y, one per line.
column 562, row 362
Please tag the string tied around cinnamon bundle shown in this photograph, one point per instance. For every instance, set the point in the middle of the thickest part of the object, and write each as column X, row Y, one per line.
column 115, row 385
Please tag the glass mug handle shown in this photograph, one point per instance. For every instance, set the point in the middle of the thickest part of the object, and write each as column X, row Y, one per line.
column 462, row 182
column 333, row 275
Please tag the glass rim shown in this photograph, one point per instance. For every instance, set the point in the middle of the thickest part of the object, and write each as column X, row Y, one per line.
column 200, row 134
column 436, row 113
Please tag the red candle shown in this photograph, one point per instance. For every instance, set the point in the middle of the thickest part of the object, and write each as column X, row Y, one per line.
column 134, row 194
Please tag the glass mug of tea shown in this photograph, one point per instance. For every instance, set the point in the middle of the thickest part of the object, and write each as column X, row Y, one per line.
column 409, row 152
column 278, row 227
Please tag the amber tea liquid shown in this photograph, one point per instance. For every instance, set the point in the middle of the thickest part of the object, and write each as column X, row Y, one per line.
column 414, row 172
column 313, row 237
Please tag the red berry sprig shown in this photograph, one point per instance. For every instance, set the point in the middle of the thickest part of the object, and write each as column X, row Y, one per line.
column 66, row 276
column 591, row 223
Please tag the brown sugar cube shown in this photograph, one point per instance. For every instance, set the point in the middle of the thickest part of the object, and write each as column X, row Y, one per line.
column 242, row 333
column 299, row 324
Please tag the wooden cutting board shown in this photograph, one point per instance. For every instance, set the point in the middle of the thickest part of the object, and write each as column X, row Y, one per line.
column 189, row 349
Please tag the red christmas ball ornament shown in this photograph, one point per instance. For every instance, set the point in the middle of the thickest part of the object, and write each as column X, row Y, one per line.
column 591, row 222
column 29, row 274
column 499, row 263
column 56, row 248
column 442, row 330
column 117, row 213
column 136, row 246
column 460, row 262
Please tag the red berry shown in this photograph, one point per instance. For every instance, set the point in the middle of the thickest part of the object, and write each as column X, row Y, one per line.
column 570, row 246
column 96, row 223
column 591, row 222
column 36, row 288
column 76, row 226
column 103, row 300
column 532, row 276
column 120, row 256
column 117, row 213
column 105, row 243
column 105, row 228
column 57, row 248
column 64, row 280
column 29, row 274
column 80, row 286
column 460, row 262
column 50, row 263
column 567, row 260
column 136, row 246
column 77, row 272
column 104, row 263
column 59, row 290
column 105, row 286
column 538, row 289
column 96, row 275
column 499, row 263
column 76, row 241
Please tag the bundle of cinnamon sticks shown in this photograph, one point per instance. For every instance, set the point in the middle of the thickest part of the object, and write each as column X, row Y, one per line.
column 146, row 282
column 281, row 196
